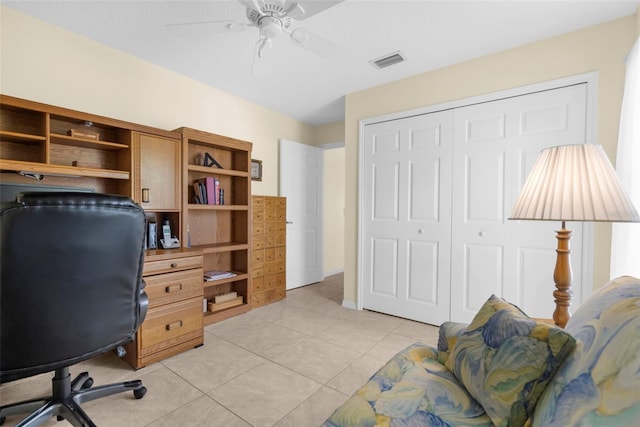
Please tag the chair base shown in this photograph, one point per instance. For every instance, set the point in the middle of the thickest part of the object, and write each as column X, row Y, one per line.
column 65, row 401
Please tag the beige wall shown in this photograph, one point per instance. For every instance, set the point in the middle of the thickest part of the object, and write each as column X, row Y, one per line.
column 600, row 48
column 44, row 63
column 329, row 133
column 333, row 215
column 333, row 196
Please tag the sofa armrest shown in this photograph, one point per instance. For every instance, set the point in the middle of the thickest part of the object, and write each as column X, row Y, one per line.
column 448, row 334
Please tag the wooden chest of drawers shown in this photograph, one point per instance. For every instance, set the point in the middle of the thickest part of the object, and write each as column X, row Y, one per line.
column 268, row 250
column 174, row 318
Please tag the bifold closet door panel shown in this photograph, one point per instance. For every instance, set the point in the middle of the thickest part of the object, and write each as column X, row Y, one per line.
column 406, row 217
column 495, row 146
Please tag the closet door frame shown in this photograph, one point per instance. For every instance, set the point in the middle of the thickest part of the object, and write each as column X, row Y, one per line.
column 591, row 80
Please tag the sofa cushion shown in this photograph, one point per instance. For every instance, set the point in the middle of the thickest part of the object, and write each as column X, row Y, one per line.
column 448, row 334
column 412, row 389
column 505, row 360
column 599, row 383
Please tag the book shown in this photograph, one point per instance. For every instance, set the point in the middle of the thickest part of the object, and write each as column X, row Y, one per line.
column 203, row 191
column 211, row 190
column 217, row 275
column 196, row 192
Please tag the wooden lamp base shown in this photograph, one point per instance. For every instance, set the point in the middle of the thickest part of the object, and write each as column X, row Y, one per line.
column 562, row 276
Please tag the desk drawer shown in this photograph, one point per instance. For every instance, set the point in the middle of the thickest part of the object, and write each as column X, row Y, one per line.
column 173, row 264
column 171, row 287
column 170, row 325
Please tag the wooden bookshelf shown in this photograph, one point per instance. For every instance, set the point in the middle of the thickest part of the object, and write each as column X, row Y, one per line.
column 220, row 231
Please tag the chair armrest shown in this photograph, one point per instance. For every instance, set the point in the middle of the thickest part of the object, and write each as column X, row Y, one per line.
column 143, row 304
column 448, row 334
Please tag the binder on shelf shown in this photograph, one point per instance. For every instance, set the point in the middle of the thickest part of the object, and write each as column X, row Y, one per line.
column 211, row 190
column 203, row 191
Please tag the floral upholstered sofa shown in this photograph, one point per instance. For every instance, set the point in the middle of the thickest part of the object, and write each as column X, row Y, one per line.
column 506, row 369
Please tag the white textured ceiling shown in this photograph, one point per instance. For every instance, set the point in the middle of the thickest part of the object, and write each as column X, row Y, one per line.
column 310, row 88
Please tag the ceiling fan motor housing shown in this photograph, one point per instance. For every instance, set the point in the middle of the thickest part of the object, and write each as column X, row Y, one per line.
column 271, row 19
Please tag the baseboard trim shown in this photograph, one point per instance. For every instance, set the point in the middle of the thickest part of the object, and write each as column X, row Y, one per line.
column 349, row 304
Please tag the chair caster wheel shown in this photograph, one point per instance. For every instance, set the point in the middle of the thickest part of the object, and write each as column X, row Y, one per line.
column 139, row 393
column 88, row 383
column 2, row 420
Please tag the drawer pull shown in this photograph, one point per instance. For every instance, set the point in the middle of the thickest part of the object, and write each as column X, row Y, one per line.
column 174, row 264
column 174, row 325
column 173, row 288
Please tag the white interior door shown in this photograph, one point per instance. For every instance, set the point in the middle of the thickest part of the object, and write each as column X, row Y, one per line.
column 301, row 183
column 406, row 217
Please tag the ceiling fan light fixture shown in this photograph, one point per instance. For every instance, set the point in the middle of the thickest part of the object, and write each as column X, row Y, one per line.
column 270, row 27
column 388, row 60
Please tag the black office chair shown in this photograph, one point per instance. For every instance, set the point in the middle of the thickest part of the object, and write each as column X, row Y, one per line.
column 71, row 289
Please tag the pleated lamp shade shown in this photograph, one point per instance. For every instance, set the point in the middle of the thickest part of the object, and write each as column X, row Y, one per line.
column 574, row 183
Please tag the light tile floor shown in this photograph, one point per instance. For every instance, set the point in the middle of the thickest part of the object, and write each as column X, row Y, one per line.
column 290, row 363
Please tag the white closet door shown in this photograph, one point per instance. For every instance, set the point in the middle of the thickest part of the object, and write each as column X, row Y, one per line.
column 406, row 217
column 495, row 146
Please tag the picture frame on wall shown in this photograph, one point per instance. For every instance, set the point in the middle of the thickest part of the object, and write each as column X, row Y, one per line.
column 256, row 170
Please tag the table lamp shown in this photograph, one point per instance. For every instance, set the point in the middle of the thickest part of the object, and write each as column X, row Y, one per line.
column 572, row 183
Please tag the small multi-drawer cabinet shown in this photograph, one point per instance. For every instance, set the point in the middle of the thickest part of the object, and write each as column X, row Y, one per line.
column 268, row 249
column 174, row 317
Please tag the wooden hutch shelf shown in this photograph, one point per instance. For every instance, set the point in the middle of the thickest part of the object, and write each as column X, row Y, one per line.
column 60, row 170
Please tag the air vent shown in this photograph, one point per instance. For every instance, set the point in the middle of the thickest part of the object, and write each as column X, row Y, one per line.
column 388, row 60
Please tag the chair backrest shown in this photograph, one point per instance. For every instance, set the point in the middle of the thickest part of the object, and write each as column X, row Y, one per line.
column 71, row 279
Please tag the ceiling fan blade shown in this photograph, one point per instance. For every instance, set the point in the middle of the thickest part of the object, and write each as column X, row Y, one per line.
column 253, row 4
column 301, row 10
column 205, row 27
column 320, row 46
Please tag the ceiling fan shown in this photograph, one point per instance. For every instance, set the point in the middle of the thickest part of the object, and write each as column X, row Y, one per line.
column 273, row 19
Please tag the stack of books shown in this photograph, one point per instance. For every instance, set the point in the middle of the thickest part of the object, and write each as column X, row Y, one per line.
column 217, row 275
column 207, row 191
